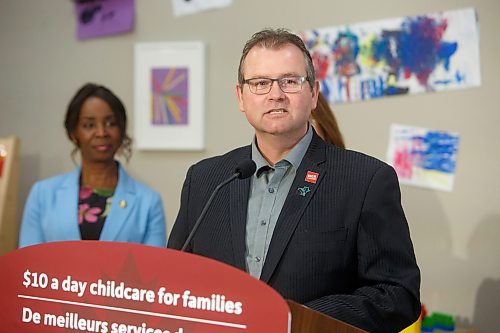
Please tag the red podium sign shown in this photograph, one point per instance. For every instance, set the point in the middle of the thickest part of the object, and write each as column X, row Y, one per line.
column 106, row 287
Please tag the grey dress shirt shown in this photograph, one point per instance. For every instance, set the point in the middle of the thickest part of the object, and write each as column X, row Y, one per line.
column 268, row 192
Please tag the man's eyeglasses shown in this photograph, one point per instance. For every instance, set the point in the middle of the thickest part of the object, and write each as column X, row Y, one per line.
column 288, row 84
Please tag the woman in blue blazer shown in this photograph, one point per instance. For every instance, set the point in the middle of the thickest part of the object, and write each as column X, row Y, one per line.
column 99, row 200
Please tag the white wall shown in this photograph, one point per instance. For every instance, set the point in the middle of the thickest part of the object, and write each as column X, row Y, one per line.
column 42, row 64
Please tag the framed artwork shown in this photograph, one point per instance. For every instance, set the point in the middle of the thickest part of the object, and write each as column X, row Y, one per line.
column 169, row 82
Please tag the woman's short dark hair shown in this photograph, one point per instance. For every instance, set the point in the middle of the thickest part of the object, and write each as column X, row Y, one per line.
column 94, row 90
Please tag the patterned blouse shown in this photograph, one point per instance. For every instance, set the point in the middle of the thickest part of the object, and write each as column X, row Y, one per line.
column 93, row 208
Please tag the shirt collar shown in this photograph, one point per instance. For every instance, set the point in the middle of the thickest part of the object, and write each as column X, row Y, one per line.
column 294, row 157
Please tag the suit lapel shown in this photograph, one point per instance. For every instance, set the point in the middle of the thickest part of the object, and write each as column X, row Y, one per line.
column 121, row 206
column 238, row 201
column 67, row 207
column 299, row 196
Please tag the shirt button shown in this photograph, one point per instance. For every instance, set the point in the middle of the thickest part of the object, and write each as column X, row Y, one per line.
column 263, row 222
column 271, row 190
column 257, row 259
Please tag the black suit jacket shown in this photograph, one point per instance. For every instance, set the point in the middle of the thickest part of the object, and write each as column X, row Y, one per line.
column 343, row 249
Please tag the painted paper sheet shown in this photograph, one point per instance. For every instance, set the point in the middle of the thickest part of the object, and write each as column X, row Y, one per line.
column 423, row 157
column 3, row 158
column 186, row 7
column 104, row 17
column 407, row 55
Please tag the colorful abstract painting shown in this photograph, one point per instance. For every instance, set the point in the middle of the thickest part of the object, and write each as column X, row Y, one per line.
column 169, row 96
column 423, row 157
column 408, row 55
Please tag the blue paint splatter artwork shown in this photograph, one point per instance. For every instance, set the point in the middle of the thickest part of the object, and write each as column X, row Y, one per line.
column 423, row 157
column 409, row 55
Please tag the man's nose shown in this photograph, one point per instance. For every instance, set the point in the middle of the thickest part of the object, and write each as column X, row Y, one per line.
column 276, row 92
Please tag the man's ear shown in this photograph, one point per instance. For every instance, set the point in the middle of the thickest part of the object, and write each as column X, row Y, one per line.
column 315, row 93
column 239, row 96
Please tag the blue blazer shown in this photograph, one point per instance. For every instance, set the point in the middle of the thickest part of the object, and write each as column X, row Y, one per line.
column 51, row 212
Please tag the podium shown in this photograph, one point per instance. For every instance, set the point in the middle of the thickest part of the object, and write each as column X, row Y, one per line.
column 110, row 287
column 305, row 320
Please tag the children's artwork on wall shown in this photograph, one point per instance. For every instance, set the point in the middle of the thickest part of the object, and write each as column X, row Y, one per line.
column 423, row 157
column 100, row 18
column 408, row 55
column 186, row 7
column 169, row 95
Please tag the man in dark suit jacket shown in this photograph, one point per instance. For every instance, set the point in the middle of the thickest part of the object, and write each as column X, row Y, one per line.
column 322, row 225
